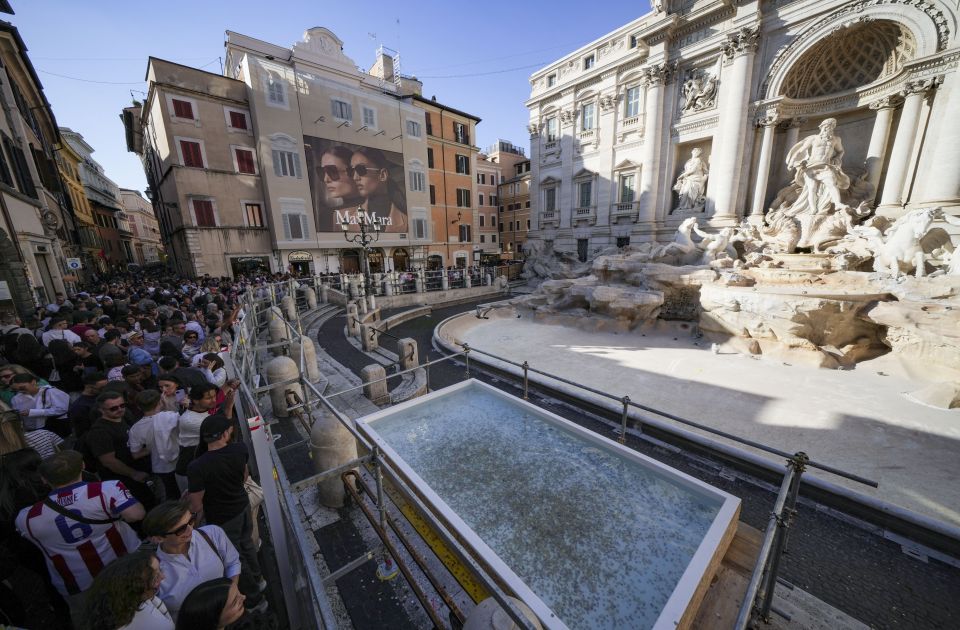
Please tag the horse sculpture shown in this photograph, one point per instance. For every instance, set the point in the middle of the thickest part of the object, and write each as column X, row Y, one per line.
column 898, row 251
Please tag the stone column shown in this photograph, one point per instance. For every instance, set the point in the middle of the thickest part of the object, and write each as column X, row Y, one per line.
column 877, row 151
column 792, row 128
column 655, row 76
column 942, row 179
column 902, row 151
column 768, row 124
column 727, row 159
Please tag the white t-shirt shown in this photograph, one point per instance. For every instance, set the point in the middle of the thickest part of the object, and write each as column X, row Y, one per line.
column 190, row 422
column 66, row 334
column 152, row 615
column 44, row 442
column 158, row 433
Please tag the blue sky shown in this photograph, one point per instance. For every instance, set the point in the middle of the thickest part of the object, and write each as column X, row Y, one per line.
column 476, row 57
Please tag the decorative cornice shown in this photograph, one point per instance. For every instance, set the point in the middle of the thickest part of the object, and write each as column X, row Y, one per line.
column 890, row 101
column 659, row 73
column 922, row 86
column 696, row 125
column 743, row 42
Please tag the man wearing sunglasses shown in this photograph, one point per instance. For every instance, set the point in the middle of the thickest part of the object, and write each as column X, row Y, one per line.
column 107, row 444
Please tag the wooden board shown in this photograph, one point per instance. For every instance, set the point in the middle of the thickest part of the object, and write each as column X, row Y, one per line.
column 721, row 603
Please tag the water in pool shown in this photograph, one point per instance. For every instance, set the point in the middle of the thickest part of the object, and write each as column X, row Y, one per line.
column 601, row 539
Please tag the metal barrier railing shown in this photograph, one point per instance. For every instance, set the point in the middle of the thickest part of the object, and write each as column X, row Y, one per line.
column 280, row 502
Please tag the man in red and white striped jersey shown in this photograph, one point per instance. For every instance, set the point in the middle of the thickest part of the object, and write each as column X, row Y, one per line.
column 81, row 526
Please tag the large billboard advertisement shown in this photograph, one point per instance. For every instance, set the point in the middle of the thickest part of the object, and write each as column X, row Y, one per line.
column 349, row 182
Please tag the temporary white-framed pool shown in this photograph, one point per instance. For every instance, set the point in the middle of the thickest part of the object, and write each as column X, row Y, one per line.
column 587, row 532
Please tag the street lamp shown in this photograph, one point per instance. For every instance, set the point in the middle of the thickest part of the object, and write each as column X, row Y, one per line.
column 364, row 238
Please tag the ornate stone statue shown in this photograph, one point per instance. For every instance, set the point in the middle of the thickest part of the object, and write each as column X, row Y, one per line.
column 692, row 183
column 700, row 89
column 817, row 161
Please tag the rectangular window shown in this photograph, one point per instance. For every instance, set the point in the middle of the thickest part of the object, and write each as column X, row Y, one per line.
column 586, row 117
column 275, row 92
column 286, row 164
column 582, row 249
column 413, row 129
column 192, row 155
column 254, row 214
column 480, row 202
column 295, row 226
column 245, row 162
column 627, row 190
column 341, row 109
column 481, row 220
column 588, row 62
column 483, row 238
column 493, row 238
column 623, row 241
column 182, row 109
column 493, row 200
column 429, row 124
column 203, row 213
column 552, row 129
column 463, row 197
column 551, row 80
column 585, row 194
column 420, row 228
column 527, row 205
column 5, row 176
column 370, row 117
column 483, row 178
column 433, row 195
column 510, row 226
column 463, row 164
column 460, row 133
column 238, row 120
column 429, row 157
column 528, row 224
column 500, row 227
column 465, row 233
column 550, row 200
column 632, row 106
column 418, row 181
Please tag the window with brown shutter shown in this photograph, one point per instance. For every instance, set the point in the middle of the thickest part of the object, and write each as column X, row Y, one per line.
column 182, row 109
column 238, row 120
column 203, row 210
column 245, row 162
column 192, row 156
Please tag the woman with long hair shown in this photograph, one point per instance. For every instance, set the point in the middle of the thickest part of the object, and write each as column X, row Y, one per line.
column 335, row 187
column 212, row 605
column 7, row 372
column 212, row 367
column 210, row 344
column 124, row 596
column 381, row 196
column 13, row 438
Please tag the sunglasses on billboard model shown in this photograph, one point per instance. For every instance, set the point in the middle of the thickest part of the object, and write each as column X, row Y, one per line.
column 361, row 170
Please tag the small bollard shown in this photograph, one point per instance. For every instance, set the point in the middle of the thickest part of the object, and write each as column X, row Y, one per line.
column 325, row 293
column 409, row 354
column 279, row 369
column 374, row 379
column 289, row 306
column 311, row 297
column 331, row 445
column 369, row 337
column 444, row 282
column 309, row 357
column 353, row 315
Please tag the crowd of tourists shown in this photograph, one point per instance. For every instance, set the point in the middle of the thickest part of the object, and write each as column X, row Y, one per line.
column 125, row 493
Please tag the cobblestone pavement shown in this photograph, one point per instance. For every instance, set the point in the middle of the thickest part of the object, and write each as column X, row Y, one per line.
column 836, row 560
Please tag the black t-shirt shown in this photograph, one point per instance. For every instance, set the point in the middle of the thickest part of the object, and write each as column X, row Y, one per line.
column 79, row 413
column 220, row 475
column 108, row 437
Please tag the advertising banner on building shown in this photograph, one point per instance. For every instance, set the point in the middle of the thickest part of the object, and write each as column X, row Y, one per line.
column 350, row 183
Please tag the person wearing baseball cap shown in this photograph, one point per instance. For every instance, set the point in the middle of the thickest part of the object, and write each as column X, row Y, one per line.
column 215, row 485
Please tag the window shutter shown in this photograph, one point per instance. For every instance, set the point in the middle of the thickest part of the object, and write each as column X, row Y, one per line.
column 286, row 227
column 304, row 226
column 276, row 163
column 296, row 165
column 348, row 111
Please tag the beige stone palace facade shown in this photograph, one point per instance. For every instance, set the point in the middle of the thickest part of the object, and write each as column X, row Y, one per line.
column 691, row 109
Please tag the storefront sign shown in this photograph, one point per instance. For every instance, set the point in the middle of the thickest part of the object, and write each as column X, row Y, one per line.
column 357, row 217
column 299, row 256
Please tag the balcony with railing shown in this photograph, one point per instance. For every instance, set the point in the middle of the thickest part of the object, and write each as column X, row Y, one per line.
column 549, row 217
column 585, row 213
column 624, row 209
